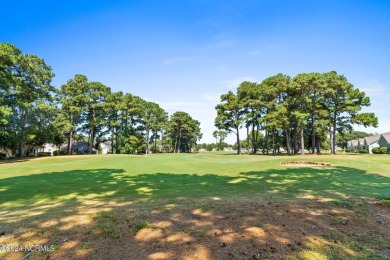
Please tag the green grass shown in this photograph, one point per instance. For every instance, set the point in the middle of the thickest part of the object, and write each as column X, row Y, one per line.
column 37, row 191
column 171, row 176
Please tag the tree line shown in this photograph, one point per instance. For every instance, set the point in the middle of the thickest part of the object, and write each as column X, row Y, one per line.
column 307, row 111
column 33, row 112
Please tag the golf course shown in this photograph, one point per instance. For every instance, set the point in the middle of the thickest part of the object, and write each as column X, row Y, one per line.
column 197, row 206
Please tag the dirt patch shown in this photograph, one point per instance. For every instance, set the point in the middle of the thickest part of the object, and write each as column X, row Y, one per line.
column 305, row 163
column 255, row 228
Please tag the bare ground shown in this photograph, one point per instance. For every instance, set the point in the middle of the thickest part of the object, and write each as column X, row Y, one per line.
column 213, row 228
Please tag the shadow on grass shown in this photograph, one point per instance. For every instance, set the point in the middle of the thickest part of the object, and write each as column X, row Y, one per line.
column 110, row 183
column 183, row 214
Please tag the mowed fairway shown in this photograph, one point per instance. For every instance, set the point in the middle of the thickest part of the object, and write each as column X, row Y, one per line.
column 197, row 206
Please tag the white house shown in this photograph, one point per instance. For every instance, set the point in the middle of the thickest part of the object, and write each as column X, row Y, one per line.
column 47, row 148
column 384, row 141
column 106, row 147
column 371, row 142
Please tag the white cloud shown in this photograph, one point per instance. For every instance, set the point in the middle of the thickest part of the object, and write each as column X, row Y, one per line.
column 209, row 97
column 217, row 45
column 234, row 83
column 175, row 60
column 373, row 88
column 257, row 52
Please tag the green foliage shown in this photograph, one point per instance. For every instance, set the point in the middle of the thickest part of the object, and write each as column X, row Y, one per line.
column 31, row 154
column 184, row 132
column 363, row 151
column 383, row 150
column 44, row 154
column 59, row 152
column 230, row 115
column 376, row 150
column 3, row 156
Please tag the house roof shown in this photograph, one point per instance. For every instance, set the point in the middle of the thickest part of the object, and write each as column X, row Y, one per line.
column 354, row 142
column 372, row 139
column 386, row 136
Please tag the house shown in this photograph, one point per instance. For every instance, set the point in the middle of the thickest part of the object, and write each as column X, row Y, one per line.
column 349, row 145
column 47, row 148
column 228, row 149
column 202, row 150
column 81, row 147
column 371, row 142
column 106, row 147
column 354, row 145
column 361, row 145
column 384, row 141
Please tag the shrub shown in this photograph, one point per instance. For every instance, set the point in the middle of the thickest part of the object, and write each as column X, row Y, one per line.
column 31, row 154
column 375, row 150
column 43, row 154
column 363, row 151
column 383, row 150
column 3, row 156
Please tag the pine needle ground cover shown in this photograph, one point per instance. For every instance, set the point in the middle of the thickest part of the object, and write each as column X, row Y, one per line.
column 196, row 206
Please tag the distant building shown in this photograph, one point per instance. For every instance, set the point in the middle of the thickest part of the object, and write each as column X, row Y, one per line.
column 371, row 142
column 361, row 145
column 384, row 141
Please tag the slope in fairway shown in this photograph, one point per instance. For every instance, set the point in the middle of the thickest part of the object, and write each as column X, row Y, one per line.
column 208, row 205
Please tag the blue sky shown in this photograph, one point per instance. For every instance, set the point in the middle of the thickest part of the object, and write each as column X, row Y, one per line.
column 185, row 54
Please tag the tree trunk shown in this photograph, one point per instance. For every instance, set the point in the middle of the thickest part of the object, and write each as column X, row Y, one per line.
column 256, row 139
column 147, row 142
column 318, row 146
column 295, row 141
column 253, row 140
column 22, row 133
column 313, row 135
column 334, row 133
column 70, row 141
column 288, row 141
column 238, row 142
column 302, row 141
column 273, row 142
column 331, row 133
column 155, row 141
column 247, row 137
column 267, row 141
column 175, row 150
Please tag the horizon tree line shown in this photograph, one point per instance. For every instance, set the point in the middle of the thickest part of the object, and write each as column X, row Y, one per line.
column 33, row 112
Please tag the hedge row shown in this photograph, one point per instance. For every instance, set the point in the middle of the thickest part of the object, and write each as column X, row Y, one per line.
column 377, row 150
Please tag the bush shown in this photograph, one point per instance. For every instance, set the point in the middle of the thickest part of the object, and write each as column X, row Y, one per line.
column 3, row 156
column 383, row 150
column 31, row 154
column 363, row 151
column 375, row 150
column 43, row 154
